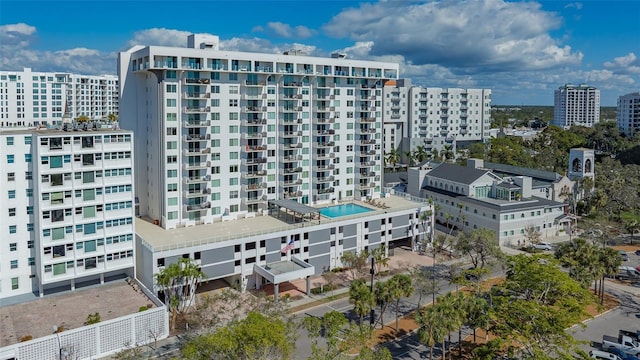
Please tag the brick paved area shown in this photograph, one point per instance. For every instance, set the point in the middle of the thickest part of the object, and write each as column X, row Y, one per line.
column 69, row 310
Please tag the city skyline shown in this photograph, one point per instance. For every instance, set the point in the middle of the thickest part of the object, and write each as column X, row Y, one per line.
column 523, row 51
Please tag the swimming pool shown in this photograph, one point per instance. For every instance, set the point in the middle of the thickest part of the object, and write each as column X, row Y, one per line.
column 343, row 210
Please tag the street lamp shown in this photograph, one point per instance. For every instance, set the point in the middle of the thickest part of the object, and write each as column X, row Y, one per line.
column 372, row 316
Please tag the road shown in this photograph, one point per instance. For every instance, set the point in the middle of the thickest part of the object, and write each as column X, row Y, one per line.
column 407, row 347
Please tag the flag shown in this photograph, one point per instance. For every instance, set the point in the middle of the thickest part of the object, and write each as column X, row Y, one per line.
column 289, row 246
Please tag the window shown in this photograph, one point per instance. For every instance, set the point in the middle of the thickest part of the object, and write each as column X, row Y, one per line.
column 14, row 283
column 11, row 176
column 13, row 246
column 12, row 211
column 12, row 194
column 27, row 158
column 55, row 162
column 14, row 264
column 10, row 159
column 9, row 140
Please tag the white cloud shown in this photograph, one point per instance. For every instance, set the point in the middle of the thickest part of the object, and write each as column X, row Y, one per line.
column 283, row 30
column 160, row 37
column 476, row 36
column 575, row 5
column 16, row 47
column 628, row 64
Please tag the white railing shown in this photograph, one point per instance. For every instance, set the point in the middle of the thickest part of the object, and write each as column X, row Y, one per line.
column 97, row 340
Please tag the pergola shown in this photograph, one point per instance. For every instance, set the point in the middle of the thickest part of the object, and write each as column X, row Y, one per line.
column 296, row 209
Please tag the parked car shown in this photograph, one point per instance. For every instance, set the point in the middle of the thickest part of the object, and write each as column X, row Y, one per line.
column 626, row 273
column 597, row 354
column 619, row 353
column 624, row 255
column 625, row 343
column 638, row 252
column 543, row 246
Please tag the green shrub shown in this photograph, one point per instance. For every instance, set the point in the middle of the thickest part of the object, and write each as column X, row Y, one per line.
column 92, row 319
column 320, row 289
column 142, row 308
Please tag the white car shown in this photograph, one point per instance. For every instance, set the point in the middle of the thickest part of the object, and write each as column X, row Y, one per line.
column 543, row 246
column 596, row 354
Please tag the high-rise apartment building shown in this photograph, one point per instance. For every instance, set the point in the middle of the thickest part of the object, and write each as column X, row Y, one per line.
column 434, row 117
column 219, row 133
column 576, row 106
column 66, row 208
column 628, row 114
column 29, row 98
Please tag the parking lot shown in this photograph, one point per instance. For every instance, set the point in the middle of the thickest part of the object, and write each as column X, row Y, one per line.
column 624, row 317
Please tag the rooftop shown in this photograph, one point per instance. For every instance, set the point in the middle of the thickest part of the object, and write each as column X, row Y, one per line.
column 498, row 204
column 159, row 239
column 56, row 131
column 457, row 173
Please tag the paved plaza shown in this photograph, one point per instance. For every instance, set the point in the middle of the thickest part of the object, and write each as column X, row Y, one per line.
column 68, row 310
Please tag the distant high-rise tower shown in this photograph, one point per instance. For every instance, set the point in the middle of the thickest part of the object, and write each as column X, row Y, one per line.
column 53, row 98
column 628, row 117
column 576, row 105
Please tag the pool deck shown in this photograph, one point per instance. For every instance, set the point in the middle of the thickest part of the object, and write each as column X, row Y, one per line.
column 160, row 239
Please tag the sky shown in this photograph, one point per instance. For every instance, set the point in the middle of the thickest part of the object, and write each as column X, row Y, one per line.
column 520, row 50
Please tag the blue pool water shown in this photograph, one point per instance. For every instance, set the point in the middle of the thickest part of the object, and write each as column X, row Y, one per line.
column 343, row 210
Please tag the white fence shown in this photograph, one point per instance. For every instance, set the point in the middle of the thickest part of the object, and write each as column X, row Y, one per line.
column 92, row 341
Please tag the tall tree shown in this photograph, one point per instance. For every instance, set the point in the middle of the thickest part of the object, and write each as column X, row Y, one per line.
column 400, row 286
column 393, row 157
column 356, row 262
column 178, row 282
column 481, row 245
column 256, row 337
column 362, row 298
column 383, row 295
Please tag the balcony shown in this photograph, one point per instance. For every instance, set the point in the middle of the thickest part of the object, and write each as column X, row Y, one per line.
column 325, row 120
column 292, row 170
column 325, row 144
column 254, row 83
column 325, row 155
column 325, row 179
column 464, row 131
column 258, row 173
column 255, row 199
column 366, row 185
column 254, row 161
column 289, row 134
column 197, row 81
column 368, row 119
column 367, row 163
column 197, row 165
column 292, row 83
column 367, row 174
column 325, row 167
column 197, row 192
column 196, row 179
column 196, row 207
column 256, row 121
column 326, row 191
column 294, row 146
column 292, row 194
column 197, row 95
column 324, row 132
column 292, row 182
column 194, row 110
column 290, row 158
column 291, row 109
column 196, row 137
column 253, row 148
column 196, row 151
column 253, row 187
column 254, row 135
column 255, row 109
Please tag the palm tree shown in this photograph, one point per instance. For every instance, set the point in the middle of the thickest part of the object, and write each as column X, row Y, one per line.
column 420, row 154
column 409, row 156
column 447, row 153
column 449, row 315
column 610, row 260
column 401, row 286
column 632, row 226
column 178, row 282
column 112, row 117
column 393, row 157
column 430, row 332
column 362, row 299
column 383, row 295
